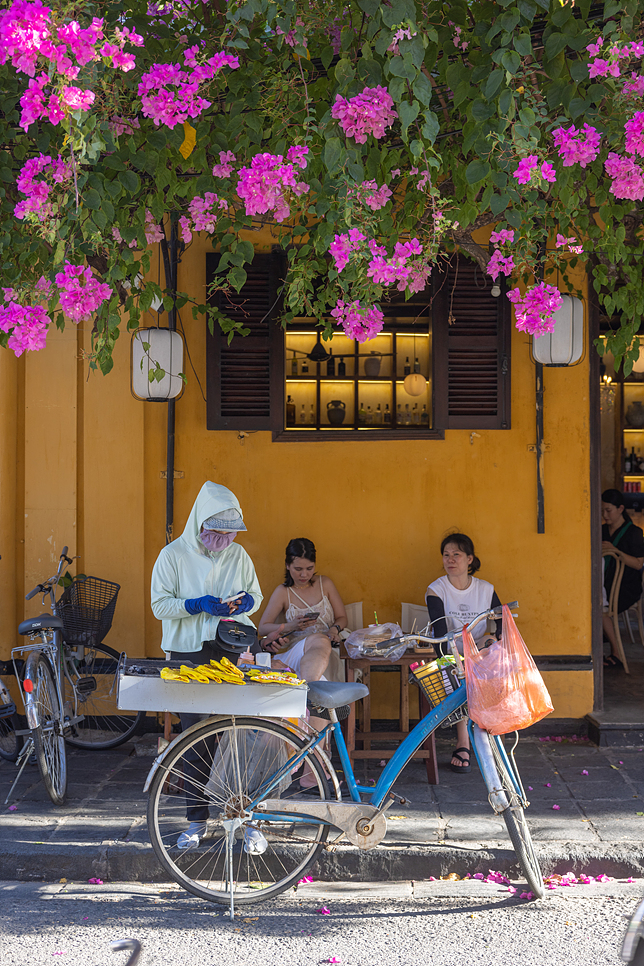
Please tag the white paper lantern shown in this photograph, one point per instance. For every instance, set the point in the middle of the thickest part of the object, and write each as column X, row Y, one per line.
column 153, row 349
column 564, row 346
column 415, row 384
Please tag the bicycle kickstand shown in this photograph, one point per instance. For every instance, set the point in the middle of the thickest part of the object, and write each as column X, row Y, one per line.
column 231, row 825
column 25, row 754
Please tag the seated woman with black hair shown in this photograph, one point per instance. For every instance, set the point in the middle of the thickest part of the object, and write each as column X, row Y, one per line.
column 620, row 533
column 453, row 601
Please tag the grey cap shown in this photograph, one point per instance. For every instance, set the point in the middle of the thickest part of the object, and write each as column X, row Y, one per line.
column 226, row 520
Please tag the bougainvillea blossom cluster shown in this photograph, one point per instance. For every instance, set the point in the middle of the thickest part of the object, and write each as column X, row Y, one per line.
column 203, row 215
column 500, row 263
column 370, row 112
column 269, row 181
column 372, row 196
column 359, row 322
column 530, row 165
column 170, row 93
column 81, row 293
column 409, row 275
column 628, row 178
column 534, row 310
column 577, row 146
column 38, row 189
column 26, row 324
column 153, row 231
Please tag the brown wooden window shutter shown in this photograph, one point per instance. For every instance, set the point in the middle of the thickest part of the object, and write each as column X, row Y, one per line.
column 473, row 342
column 245, row 380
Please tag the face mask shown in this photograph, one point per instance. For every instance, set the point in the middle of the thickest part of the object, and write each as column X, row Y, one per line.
column 216, row 542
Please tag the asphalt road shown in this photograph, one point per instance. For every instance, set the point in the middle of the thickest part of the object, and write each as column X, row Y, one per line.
column 397, row 924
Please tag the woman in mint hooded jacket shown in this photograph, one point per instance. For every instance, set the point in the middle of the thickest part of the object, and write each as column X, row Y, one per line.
column 191, row 579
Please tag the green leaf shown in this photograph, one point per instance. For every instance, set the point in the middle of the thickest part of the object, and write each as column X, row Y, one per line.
column 480, row 110
column 505, row 99
column 499, row 203
column 527, row 9
column 554, row 45
column 130, row 181
column 91, row 199
column 327, row 56
column 511, row 61
column 344, row 72
column 527, row 116
column 422, row 90
column 493, row 84
column 333, row 150
column 522, row 44
column 431, row 127
column 476, row 171
column 408, row 114
column 237, row 278
column 99, row 219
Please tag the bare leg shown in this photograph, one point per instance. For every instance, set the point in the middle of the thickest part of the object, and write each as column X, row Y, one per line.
column 462, row 741
column 609, row 631
column 315, row 659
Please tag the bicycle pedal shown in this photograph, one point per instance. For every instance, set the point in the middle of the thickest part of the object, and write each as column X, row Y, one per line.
column 86, row 685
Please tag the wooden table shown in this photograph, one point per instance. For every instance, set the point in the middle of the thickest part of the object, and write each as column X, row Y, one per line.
column 365, row 736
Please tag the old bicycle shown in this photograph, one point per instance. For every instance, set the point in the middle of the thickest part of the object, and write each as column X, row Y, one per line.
column 245, row 767
column 69, row 678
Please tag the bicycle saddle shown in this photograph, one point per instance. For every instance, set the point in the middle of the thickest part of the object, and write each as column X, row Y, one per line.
column 332, row 694
column 44, row 622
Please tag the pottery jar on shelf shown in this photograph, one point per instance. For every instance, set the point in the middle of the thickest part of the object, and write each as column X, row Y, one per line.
column 635, row 415
column 336, row 410
column 372, row 365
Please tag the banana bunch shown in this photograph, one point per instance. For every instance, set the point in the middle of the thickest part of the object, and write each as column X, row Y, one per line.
column 224, row 671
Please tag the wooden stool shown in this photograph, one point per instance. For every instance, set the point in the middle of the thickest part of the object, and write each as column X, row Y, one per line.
column 366, row 665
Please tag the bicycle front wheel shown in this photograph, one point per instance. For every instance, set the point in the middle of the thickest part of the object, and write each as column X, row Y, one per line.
column 497, row 774
column 10, row 742
column 49, row 744
column 90, row 680
column 221, row 767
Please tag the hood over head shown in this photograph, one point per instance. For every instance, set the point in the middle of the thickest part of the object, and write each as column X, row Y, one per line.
column 212, row 499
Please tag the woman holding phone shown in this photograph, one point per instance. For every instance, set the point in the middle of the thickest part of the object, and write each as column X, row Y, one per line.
column 307, row 613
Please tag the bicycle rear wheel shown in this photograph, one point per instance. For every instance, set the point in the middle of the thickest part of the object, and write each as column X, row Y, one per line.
column 10, row 742
column 224, row 763
column 498, row 776
column 90, row 674
column 49, row 744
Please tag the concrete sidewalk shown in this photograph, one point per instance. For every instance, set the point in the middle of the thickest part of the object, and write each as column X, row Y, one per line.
column 101, row 831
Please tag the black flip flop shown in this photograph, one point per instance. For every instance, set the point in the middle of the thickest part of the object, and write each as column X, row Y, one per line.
column 611, row 661
column 465, row 767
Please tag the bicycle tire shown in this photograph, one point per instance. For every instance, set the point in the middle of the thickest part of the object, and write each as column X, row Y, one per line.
column 49, row 744
column 291, row 848
column 10, row 742
column 638, row 955
column 513, row 814
column 104, row 726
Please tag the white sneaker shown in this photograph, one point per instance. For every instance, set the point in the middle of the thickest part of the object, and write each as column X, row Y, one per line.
column 192, row 836
column 254, row 842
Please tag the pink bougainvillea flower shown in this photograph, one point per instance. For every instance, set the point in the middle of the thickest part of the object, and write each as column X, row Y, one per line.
column 577, row 146
column 530, row 788
column 501, row 237
column 12, row 808
column 370, row 112
column 497, row 877
column 225, row 168
column 584, row 772
column 268, row 184
column 359, row 322
column 634, row 128
column 556, row 807
column 478, row 875
column 525, row 168
column 323, row 911
column 334, row 959
column 95, row 881
column 547, row 785
column 630, row 879
column 628, row 178
column 586, row 879
column 307, row 878
column 526, row 895
column 604, row 878
column 511, row 890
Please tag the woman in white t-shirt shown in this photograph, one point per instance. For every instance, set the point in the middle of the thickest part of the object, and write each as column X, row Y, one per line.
column 452, row 602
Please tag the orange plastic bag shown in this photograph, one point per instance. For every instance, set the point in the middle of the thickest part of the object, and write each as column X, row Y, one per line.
column 505, row 691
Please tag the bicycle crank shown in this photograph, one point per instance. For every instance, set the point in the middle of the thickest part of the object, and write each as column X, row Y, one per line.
column 364, row 825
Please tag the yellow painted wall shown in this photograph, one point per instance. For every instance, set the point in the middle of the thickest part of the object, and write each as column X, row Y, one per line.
column 376, row 510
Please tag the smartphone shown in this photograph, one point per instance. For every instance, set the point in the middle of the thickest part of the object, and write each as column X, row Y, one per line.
column 228, row 600
column 312, row 614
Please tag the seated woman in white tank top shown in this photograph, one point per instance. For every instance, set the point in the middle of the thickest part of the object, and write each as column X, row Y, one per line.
column 307, row 613
column 453, row 601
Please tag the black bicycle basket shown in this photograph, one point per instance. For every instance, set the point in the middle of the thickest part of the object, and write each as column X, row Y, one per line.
column 86, row 609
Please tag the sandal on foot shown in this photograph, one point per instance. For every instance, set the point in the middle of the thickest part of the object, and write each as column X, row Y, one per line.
column 611, row 661
column 465, row 767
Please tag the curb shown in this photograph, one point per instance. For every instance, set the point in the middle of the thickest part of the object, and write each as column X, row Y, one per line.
column 343, row 864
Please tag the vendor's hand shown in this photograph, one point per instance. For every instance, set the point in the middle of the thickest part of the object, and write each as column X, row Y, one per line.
column 244, row 603
column 273, row 641
column 300, row 624
column 207, row 605
column 607, row 545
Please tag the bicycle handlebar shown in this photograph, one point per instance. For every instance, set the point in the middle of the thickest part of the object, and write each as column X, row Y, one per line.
column 51, row 581
column 494, row 614
column 37, row 590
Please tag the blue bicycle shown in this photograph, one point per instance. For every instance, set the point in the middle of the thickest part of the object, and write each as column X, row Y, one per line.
column 263, row 832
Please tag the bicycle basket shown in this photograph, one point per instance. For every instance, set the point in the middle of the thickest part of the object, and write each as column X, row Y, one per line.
column 86, row 609
column 436, row 683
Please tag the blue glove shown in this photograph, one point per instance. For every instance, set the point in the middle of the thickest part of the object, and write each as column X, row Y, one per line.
column 244, row 603
column 207, row 605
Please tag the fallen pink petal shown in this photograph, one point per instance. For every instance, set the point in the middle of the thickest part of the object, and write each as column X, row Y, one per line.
column 12, row 808
column 547, row 785
column 511, row 890
column 556, row 807
column 630, row 879
column 605, row 878
column 323, row 911
column 584, row 772
column 530, row 788
column 60, row 952
column 586, row 878
column 307, row 878
column 478, row 875
column 526, row 895
column 620, row 762
column 95, row 881
column 334, row 959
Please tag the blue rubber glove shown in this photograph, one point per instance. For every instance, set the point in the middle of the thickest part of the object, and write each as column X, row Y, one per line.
column 207, row 605
column 244, row 603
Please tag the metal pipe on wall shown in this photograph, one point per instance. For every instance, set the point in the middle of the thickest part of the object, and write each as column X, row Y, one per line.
column 170, row 267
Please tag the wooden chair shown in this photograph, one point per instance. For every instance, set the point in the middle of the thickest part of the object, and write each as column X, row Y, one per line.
column 354, row 616
column 637, row 608
column 613, row 603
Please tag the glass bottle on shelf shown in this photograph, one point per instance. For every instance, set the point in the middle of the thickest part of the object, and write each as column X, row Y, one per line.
column 641, row 466
column 407, row 415
column 627, row 463
column 330, row 364
column 399, row 418
column 312, row 415
column 305, row 366
column 302, row 415
column 634, row 461
column 424, row 417
column 407, row 368
column 377, row 416
column 342, row 368
column 362, row 415
column 290, row 412
column 416, row 365
column 387, row 415
column 369, row 419
column 415, row 415
column 294, row 364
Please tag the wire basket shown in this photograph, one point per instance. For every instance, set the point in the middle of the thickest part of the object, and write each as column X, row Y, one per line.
column 86, row 609
column 436, row 684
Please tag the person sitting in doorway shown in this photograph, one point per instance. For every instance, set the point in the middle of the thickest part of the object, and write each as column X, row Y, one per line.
column 621, row 534
column 453, row 601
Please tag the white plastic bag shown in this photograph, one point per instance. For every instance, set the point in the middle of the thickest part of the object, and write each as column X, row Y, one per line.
column 361, row 643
